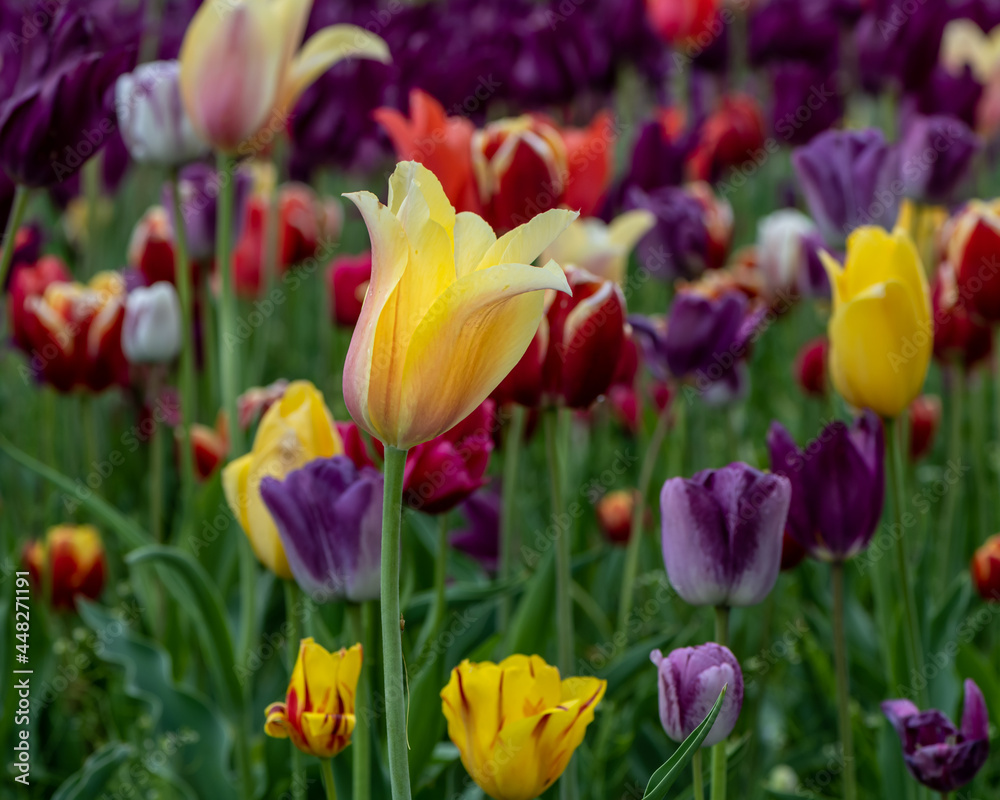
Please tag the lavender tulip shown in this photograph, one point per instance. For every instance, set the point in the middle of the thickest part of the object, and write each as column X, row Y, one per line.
column 838, row 485
column 936, row 155
column 151, row 117
column 329, row 518
column 722, row 532
column 939, row 755
column 690, row 681
column 849, row 178
column 151, row 332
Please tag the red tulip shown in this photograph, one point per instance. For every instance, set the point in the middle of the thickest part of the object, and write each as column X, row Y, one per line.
column 730, row 137
column 958, row 335
column 614, row 515
column 68, row 564
column 811, row 367
column 32, row 280
column 925, row 417
column 986, row 569
column 589, row 164
column 347, row 279
column 151, row 248
column 358, row 447
column 972, row 249
column 525, row 383
column 210, row 446
column 683, row 21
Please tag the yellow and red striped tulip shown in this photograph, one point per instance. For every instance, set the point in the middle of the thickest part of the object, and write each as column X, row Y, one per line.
column 242, row 67
column 69, row 563
column 449, row 311
column 318, row 713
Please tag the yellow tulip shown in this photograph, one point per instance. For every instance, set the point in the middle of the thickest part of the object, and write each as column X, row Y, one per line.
column 516, row 724
column 881, row 333
column 318, row 712
column 295, row 430
column 242, row 68
column 449, row 311
column 964, row 44
column 599, row 248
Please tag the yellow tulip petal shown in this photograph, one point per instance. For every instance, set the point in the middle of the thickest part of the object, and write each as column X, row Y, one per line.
column 234, row 486
column 469, row 340
column 469, row 703
column 276, row 721
column 327, row 734
column 523, row 244
column 876, row 256
column 627, row 229
column 835, row 273
column 324, row 49
column 473, row 237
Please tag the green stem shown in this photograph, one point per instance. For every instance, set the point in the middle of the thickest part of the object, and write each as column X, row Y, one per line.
column 229, row 362
column 210, row 347
column 638, row 514
column 392, row 638
column 440, row 573
column 996, row 385
column 946, row 536
column 911, row 631
column 182, row 276
column 698, row 777
column 508, row 530
column 719, row 756
column 843, row 683
column 156, row 482
column 292, row 594
column 10, row 233
column 326, row 765
column 360, row 618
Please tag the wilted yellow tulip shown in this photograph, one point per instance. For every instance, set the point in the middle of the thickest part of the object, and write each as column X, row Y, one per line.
column 881, row 333
column 600, row 248
column 516, row 724
column 242, row 68
column 318, row 712
column 295, row 430
column 449, row 311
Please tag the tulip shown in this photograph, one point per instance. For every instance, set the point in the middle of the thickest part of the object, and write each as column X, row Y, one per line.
column 792, row 553
column 347, row 280
column 293, row 432
column 659, row 154
column 357, row 446
column 515, row 724
column 210, row 446
column 838, row 486
column 68, row 564
column 785, row 241
column 939, row 755
column 680, row 22
column 252, row 404
column 586, row 335
column 151, row 332
column 481, row 540
column 242, row 69
column 599, row 248
column 441, row 143
column 789, row 30
column 318, row 714
column 622, row 395
column 959, row 336
column 329, row 517
column 986, row 569
column 880, row 331
column 808, row 99
column 199, row 186
column 811, row 367
column 925, row 418
column 589, row 153
column 847, row 179
column 27, row 281
column 614, row 515
column 690, row 681
column 731, row 137
column 449, row 310
column 151, row 246
column 937, row 155
column 525, row 383
column 972, row 248
column 722, row 534
column 151, row 119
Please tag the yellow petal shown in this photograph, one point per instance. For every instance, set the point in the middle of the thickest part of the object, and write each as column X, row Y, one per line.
column 523, row 244
column 473, row 237
column 835, row 273
column 875, row 256
column 469, row 703
column 324, row 49
column 234, row 485
column 627, row 229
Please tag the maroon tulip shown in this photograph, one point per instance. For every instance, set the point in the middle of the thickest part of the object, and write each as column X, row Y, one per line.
column 925, row 417
column 731, row 137
column 959, row 337
column 347, row 281
column 810, row 367
column 524, row 384
column 151, row 248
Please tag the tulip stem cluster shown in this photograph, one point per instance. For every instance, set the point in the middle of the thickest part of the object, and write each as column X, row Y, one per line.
column 719, row 756
column 392, row 639
column 508, row 531
column 10, row 234
column 843, row 683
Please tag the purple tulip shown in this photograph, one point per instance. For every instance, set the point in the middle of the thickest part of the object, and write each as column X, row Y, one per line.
column 939, row 755
column 691, row 680
column 802, row 30
column 936, row 155
column 199, row 190
column 481, row 540
column 722, row 534
column 850, row 179
column 657, row 160
column 807, row 100
column 838, row 485
column 898, row 47
column 329, row 518
column 946, row 94
column 679, row 245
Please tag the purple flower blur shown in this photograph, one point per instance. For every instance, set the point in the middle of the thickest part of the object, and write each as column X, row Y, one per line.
column 849, row 179
column 329, row 518
column 939, row 755
column 898, row 48
column 679, row 244
column 807, row 100
column 722, row 532
column 690, row 681
column 802, row 30
column 481, row 540
column 199, row 187
column 838, row 485
column 936, row 155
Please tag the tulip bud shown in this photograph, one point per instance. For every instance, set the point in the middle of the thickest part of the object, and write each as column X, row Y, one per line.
column 954, row 145
column 151, row 247
column 614, row 515
column 783, row 249
column 586, row 334
column 925, row 417
column 481, row 540
column 151, row 333
column 151, row 118
column 958, row 335
column 347, row 279
column 690, row 682
column 730, row 137
column 69, row 564
column 986, row 569
column 811, row 367
column 972, row 249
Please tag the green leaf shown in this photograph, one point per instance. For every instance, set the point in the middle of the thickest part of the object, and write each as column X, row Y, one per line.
column 665, row 776
column 89, row 781
column 530, row 627
column 973, row 664
column 196, row 593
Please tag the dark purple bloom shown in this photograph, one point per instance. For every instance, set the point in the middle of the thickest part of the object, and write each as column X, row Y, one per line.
column 199, row 193
column 898, row 46
column 690, row 681
column 936, row 154
column 850, row 179
column 838, row 485
column 680, row 244
column 329, row 517
column 807, row 100
column 481, row 540
column 802, row 30
column 939, row 755
column 722, row 532
column 657, row 158
column 948, row 94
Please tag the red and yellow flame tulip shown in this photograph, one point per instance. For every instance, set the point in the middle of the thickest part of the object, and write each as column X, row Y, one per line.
column 318, row 713
column 68, row 563
column 449, row 311
column 516, row 724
